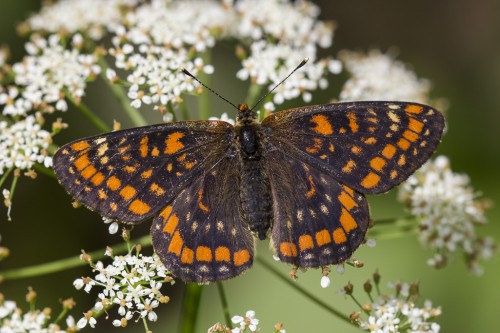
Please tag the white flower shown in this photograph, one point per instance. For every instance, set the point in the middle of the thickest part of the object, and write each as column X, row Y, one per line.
column 92, row 16
column 23, row 144
column 449, row 210
column 248, row 321
column 132, row 281
column 378, row 76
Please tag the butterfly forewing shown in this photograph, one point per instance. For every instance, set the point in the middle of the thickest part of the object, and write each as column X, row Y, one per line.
column 199, row 235
column 129, row 175
column 368, row 146
column 317, row 220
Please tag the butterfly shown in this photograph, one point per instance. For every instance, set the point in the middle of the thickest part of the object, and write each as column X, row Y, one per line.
column 298, row 177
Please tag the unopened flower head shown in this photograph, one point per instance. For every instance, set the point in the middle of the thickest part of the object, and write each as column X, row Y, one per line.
column 131, row 282
column 449, row 211
column 378, row 76
column 23, row 144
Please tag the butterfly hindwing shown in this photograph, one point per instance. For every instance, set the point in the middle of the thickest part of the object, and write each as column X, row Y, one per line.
column 199, row 235
column 129, row 175
column 317, row 221
column 369, row 146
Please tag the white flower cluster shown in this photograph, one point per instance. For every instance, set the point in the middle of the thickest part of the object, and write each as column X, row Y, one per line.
column 46, row 75
column 71, row 16
column 378, row 76
column 23, row 144
column 282, row 34
column 249, row 321
column 131, row 282
column 449, row 211
column 13, row 320
column 394, row 315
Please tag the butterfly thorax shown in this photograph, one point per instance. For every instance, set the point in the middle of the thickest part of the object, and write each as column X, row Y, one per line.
column 255, row 194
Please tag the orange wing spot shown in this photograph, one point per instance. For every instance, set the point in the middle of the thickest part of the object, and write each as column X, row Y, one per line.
column 102, row 195
column 176, row 244
column 81, row 162
column 348, row 190
column 241, row 257
column 113, row 183
column 339, row 236
column 323, row 126
column 200, row 204
column 347, row 201
column 323, row 237
column 394, row 174
column 312, row 191
column 126, row 157
column 347, row 221
column 97, row 179
column 394, row 117
column 113, row 206
column 146, row 174
column 182, row 158
column 171, row 224
column 402, row 160
column 169, row 167
column 172, row 143
column 377, row 163
column 187, row 256
column 156, row 189
column 352, row 122
column 372, row 120
column 88, row 172
column 388, row 151
column 139, row 207
column 331, row 148
column 203, row 253
column 415, row 125
column 410, row 135
column 222, row 254
column 121, row 150
column 165, row 213
column 370, row 141
column 130, row 169
column 189, row 165
column 144, row 146
column 414, row 109
column 315, row 147
column 371, row 180
column 305, row 243
column 128, row 192
column 82, row 145
column 155, row 152
column 288, row 249
column 350, row 165
column 356, row 150
column 404, row 144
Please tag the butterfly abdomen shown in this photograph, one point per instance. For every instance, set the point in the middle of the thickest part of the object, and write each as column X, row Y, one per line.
column 255, row 190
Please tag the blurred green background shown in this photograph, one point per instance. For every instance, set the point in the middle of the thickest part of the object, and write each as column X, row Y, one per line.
column 454, row 43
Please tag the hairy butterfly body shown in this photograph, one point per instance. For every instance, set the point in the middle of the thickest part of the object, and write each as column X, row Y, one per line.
column 298, row 177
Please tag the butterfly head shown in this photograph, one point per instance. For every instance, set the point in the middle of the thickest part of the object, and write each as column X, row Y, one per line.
column 245, row 114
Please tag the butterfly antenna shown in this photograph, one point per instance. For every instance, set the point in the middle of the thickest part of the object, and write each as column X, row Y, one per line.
column 302, row 63
column 185, row 71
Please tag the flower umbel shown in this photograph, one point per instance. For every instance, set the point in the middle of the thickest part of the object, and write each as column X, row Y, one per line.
column 131, row 283
column 396, row 312
column 449, row 211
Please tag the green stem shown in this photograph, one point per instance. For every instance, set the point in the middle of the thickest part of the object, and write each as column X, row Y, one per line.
column 134, row 114
column 192, row 297
column 46, row 171
column 205, row 99
column 225, row 306
column 85, row 110
column 64, row 264
column 5, row 175
column 303, row 291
